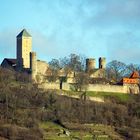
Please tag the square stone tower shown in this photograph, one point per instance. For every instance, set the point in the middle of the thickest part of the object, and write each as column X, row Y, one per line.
column 24, row 47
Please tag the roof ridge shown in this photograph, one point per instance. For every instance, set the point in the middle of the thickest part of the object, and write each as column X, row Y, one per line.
column 23, row 33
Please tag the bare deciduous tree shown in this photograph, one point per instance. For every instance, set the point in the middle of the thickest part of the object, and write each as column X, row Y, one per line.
column 116, row 70
column 81, row 80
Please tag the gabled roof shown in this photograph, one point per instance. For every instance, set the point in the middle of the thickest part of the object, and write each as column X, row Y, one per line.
column 133, row 79
column 11, row 61
column 134, row 75
column 129, row 81
column 23, row 33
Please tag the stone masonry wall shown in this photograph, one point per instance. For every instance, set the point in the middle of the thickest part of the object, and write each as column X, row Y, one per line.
column 42, row 67
column 51, row 85
column 95, row 87
column 107, row 88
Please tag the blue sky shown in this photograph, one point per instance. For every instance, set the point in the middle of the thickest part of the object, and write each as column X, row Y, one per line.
column 94, row 28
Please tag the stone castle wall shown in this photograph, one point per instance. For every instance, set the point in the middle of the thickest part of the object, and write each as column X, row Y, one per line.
column 49, row 85
column 134, row 89
column 42, row 66
column 107, row 88
column 95, row 87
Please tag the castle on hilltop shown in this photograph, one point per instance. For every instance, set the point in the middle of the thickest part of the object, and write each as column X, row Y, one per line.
column 26, row 61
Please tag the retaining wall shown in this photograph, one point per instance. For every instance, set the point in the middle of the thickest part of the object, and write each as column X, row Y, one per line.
column 94, row 87
column 50, row 85
column 107, row 88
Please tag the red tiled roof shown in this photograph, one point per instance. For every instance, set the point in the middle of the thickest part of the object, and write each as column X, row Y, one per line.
column 133, row 79
column 130, row 81
column 134, row 75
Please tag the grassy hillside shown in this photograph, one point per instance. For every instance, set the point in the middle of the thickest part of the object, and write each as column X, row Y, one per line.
column 104, row 95
column 29, row 113
column 70, row 131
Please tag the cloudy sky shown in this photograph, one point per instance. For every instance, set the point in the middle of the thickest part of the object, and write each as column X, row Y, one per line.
column 94, row 28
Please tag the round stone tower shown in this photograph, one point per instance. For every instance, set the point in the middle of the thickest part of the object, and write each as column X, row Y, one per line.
column 102, row 63
column 90, row 64
column 33, row 65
